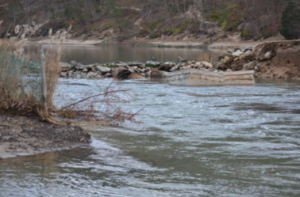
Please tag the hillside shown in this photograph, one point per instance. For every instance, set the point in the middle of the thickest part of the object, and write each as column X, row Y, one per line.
column 118, row 20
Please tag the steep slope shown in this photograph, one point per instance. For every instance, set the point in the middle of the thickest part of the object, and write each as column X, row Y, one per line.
column 117, row 20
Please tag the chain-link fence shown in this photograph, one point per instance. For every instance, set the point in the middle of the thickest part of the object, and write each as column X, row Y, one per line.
column 31, row 74
column 20, row 80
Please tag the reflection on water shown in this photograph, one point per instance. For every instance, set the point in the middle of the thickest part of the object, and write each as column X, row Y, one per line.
column 193, row 141
column 112, row 53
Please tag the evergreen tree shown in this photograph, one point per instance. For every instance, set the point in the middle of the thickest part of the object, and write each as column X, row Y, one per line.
column 289, row 21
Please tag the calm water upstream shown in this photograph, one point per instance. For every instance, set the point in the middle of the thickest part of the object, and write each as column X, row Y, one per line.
column 193, row 141
column 112, row 53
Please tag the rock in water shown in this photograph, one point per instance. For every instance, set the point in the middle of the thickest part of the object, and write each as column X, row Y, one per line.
column 237, row 53
column 124, row 74
column 103, row 69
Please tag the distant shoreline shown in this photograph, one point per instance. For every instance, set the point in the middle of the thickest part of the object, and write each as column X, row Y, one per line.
column 150, row 43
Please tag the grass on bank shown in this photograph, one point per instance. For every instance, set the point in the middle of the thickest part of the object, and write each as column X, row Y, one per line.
column 21, row 89
column 21, row 81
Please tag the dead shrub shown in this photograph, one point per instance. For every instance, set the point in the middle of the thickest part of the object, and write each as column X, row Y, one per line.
column 53, row 69
column 21, row 81
column 16, row 95
column 101, row 106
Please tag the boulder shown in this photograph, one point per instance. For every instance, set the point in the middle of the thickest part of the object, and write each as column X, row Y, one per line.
column 77, row 65
column 237, row 53
column 66, row 65
column 139, row 70
column 70, row 74
column 116, row 71
column 120, row 64
column 91, row 75
column 135, row 76
column 148, row 73
column 174, row 68
column 158, row 74
column 65, row 69
column 124, row 74
column 103, row 69
column 249, row 66
column 266, row 51
column 199, row 64
column 207, row 65
column 108, row 75
column 63, row 74
column 17, row 29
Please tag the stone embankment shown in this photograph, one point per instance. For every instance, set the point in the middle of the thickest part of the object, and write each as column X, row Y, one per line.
column 190, row 73
column 272, row 60
column 131, row 70
column 192, row 77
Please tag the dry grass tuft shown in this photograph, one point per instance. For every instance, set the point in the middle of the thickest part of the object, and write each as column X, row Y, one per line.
column 53, row 70
column 14, row 96
column 21, row 81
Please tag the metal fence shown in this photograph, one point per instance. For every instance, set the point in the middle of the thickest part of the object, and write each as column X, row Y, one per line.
column 19, row 77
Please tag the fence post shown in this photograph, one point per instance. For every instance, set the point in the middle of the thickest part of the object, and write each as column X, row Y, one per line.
column 44, row 79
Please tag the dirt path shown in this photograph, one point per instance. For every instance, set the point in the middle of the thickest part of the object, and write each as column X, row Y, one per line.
column 21, row 135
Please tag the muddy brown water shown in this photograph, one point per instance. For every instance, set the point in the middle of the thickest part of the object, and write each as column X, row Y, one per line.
column 192, row 141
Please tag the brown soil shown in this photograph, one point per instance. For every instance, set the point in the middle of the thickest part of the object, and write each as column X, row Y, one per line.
column 20, row 135
column 285, row 63
column 270, row 60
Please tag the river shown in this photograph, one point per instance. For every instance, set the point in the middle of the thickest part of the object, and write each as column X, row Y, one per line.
column 228, row 141
column 112, row 53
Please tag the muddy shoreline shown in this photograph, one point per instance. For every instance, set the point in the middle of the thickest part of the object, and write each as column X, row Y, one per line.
column 20, row 136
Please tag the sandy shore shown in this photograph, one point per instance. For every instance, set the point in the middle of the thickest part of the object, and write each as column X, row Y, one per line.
column 216, row 45
column 71, row 42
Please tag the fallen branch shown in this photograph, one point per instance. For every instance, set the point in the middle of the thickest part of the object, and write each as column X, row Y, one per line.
column 93, row 96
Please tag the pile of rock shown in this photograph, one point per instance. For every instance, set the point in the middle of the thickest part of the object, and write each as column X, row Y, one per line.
column 277, row 60
column 171, row 66
column 26, row 29
column 97, row 71
column 129, row 70
column 273, row 60
column 78, row 70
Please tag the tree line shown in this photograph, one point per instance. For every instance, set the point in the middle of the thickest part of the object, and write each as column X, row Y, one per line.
column 255, row 19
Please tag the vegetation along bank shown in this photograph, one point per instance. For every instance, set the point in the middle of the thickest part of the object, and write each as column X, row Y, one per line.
column 118, row 20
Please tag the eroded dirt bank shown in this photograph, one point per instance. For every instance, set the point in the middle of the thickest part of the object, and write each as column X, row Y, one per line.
column 272, row 60
column 21, row 135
